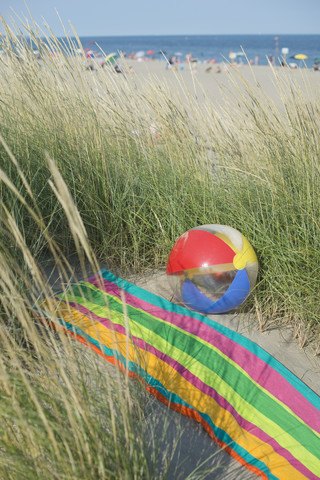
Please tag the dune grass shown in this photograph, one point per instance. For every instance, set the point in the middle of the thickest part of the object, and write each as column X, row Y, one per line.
column 144, row 165
column 133, row 167
column 66, row 414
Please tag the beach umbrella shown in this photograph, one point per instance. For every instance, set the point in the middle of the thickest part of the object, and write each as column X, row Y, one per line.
column 89, row 53
column 150, row 52
column 178, row 54
column 300, row 56
column 111, row 59
column 317, row 60
column 140, row 54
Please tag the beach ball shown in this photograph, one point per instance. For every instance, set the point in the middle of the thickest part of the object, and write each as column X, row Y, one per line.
column 212, row 269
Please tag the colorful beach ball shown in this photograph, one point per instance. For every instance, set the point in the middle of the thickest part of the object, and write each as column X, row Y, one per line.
column 212, row 269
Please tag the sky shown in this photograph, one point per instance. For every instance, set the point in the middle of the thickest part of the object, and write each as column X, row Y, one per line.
column 170, row 17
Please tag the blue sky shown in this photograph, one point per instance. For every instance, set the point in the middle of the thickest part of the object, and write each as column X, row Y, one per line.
column 164, row 17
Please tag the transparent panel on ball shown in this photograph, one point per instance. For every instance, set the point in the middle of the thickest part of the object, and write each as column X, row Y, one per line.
column 210, row 281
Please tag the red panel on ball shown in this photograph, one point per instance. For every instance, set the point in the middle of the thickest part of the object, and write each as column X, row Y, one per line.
column 197, row 248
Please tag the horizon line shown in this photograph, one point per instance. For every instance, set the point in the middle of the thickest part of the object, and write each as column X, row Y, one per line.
column 190, row 34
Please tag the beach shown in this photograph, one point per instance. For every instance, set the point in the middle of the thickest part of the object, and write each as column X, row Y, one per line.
column 221, row 81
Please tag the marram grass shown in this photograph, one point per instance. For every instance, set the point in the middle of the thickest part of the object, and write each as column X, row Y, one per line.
column 133, row 167
column 143, row 165
column 65, row 413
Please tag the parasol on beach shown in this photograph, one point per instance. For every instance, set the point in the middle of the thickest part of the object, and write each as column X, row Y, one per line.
column 300, row 56
column 317, row 60
column 234, row 56
column 140, row 54
column 150, row 52
column 111, row 59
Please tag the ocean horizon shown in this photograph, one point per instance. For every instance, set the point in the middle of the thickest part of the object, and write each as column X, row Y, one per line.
column 206, row 47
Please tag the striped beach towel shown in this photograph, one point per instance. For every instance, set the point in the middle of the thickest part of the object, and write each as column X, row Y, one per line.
column 248, row 402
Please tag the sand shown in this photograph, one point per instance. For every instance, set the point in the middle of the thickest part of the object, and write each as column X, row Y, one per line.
column 223, row 88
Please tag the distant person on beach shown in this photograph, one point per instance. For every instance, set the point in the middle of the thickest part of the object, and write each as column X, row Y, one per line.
column 271, row 60
column 256, row 60
column 170, row 63
column 194, row 64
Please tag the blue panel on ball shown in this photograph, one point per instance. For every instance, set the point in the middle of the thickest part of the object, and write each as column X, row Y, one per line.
column 194, row 299
column 233, row 297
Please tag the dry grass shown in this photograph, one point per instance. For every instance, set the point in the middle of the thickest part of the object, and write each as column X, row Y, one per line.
column 64, row 413
column 133, row 169
column 143, row 166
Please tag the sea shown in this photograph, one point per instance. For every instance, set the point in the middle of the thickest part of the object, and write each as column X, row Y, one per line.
column 209, row 47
